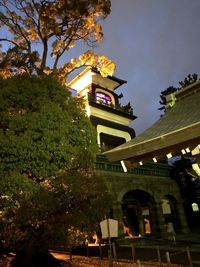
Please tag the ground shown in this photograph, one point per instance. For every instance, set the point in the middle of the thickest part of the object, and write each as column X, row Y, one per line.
column 80, row 261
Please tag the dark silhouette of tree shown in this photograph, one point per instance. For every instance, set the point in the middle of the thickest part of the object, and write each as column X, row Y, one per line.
column 188, row 183
column 190, row 79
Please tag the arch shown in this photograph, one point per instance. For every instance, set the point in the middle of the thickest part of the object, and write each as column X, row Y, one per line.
column 137, row 208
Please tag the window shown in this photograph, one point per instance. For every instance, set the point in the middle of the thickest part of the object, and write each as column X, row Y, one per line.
column 104, row 99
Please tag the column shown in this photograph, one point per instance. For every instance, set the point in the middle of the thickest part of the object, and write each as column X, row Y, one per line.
column 118, row 215
column 141, row 222
column 183, row 222
column 159, row 222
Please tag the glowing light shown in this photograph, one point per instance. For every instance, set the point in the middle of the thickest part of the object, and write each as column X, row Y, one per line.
column 169, row 155
column 196, row 151
column 195, row 207
column 196, row 168
column 155, row 159
column 123, row 166
column 183, row 151
column 187, row 150
column 141, row 163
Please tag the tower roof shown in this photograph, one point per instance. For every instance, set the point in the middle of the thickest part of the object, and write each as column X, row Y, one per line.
column 91, row 75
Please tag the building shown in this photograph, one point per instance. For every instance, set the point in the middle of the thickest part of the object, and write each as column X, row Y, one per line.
column 177, row 133
column 145, row 198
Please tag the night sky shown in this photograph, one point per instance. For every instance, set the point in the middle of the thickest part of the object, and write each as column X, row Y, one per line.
column 155, row 44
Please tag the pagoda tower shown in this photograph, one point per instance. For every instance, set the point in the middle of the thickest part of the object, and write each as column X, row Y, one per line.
column 109, row 117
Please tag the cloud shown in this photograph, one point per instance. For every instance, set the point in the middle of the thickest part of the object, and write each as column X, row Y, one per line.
column 155, row 44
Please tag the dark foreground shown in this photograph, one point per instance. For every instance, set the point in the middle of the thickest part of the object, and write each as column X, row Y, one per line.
column 81, row 261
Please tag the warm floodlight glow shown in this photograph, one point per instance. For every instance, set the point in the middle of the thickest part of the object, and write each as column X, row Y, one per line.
column 183, row 151
column 187, row 150
column 196, row 168
column 169, row 156
column 141, row 163
column 123, row 166
column 155, row 159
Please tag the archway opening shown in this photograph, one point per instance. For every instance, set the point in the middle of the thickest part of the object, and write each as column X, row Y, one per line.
column 137, row 208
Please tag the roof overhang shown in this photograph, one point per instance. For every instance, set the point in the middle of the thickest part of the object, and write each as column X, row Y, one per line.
column 91, row 75
column 159, row 147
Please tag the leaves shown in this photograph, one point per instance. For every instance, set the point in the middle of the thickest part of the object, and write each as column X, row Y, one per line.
column 101, row 63
column 52, row 28
column 47, row 148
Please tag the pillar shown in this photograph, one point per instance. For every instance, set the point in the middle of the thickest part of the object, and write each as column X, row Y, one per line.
column 183, row 222
column 141, row 222
column 118, row 215
column 159, row 221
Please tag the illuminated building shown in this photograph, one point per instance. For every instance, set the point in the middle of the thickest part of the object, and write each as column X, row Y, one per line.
column 136, row 173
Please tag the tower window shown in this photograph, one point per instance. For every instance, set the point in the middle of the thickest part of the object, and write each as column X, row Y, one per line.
column 104, row 99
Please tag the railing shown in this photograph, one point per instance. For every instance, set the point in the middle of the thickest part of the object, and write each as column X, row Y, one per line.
column 149, row 169
column 126, row 108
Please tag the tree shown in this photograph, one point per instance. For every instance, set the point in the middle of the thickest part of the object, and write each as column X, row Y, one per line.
column 189, row 185
column 47, row 182
column 190, row 79
column 51, row 27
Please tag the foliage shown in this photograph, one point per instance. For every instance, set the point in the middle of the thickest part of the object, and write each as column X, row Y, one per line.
column 187, row 179
column 190, row 79
column 44, row 29
column 47, row 148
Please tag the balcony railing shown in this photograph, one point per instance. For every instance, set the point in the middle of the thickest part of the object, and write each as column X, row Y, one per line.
column 125, row 109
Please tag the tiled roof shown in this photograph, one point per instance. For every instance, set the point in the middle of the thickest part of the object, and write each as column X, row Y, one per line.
column 183, row 114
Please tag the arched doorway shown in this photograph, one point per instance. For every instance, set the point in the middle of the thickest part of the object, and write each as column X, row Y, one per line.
column 137, row 208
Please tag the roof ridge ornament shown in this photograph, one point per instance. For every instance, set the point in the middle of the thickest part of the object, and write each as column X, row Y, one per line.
column 171, row 100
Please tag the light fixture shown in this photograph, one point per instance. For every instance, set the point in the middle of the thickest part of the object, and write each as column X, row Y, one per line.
column 187, row 150
column 196, row 168
column 196, row 150
column 183, row 151
column 169, row 155
column 141, row 163
column 155, row 159
column 123, row 166
column 195, row 207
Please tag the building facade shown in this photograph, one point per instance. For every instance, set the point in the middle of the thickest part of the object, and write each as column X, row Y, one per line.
column 146, row 200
